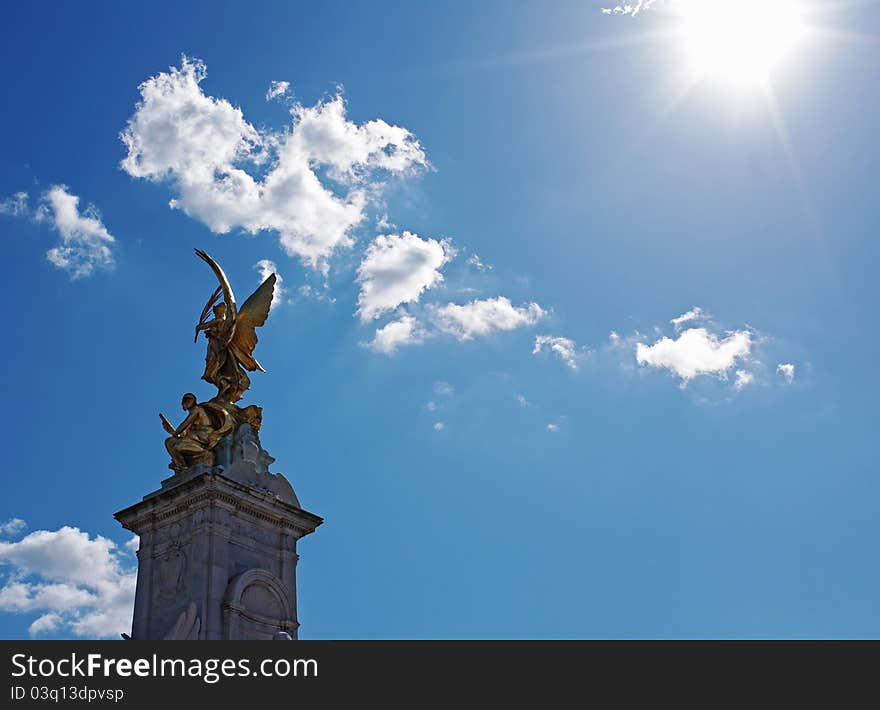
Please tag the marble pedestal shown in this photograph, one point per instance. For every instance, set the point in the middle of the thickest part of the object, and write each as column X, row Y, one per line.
column 217, row 556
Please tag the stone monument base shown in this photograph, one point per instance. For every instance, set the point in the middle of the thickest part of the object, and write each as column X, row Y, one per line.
column 217, row 556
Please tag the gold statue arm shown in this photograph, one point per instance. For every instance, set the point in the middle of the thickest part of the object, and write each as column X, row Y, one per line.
column 184, row 425
column 208, row 306
column 203, row 326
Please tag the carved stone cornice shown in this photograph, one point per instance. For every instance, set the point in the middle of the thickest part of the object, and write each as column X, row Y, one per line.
column 213, row 490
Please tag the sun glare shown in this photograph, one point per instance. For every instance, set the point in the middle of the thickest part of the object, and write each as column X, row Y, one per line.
column 740, row 41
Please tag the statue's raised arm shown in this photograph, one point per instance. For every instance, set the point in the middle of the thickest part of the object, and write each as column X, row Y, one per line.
column 232, row 334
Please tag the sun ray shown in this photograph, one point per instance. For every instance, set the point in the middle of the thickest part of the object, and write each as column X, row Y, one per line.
column 557, row 53
column 810, row 217
column 677, row 97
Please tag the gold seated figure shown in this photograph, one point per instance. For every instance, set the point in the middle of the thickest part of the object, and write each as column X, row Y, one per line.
column 193, row 441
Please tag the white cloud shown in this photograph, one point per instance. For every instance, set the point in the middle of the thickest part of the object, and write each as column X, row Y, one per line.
column 431, row 406
column 383, row 224
column 743, row 378
column 553, row 427
column 786, row 369
column 204, row 146
column 86, row 244
column 47, row 623
column 24, row 597
column 464, row 322
column 267, row 267
column 696, row 352
column 398, row 268
column 439, row 426
column 276, row 89
column 443, row 388
column 404, row 331
column 133, row 544
column 16, row 205
column 482, row 317
column 13, row 526
column 523, row 402
column 565, row 348
column 632, row 9
column 85, row 241
column 321, row 294
column 477, row 263
column 695, row 313
column 81, row 584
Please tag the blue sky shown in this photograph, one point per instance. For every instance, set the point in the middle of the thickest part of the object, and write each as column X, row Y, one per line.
column 520, row 199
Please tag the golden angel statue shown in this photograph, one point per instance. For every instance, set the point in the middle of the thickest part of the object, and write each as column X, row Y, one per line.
column 232, row 334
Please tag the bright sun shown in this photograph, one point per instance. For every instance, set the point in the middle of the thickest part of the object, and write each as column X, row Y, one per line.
column 739, row 40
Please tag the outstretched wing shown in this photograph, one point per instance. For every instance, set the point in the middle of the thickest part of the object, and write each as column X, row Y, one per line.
column 252, row 315
column 228, row 296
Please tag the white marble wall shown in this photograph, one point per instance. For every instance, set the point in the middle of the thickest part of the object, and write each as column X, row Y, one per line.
column 226, row 546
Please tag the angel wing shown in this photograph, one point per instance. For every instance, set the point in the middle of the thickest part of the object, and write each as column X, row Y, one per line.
column 228, row 296
column 252, row 315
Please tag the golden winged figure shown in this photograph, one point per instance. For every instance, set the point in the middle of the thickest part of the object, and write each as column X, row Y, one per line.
column 232, row 334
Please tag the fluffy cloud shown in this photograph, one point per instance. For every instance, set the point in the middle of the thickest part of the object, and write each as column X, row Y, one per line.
column 552, row 427
column 463, row 322
column 85, row 241
column 478, row 264
column 276, row 89
column 482, row 317
column 267, row 267
column 82, row 585
column 320, row 294
column 86, row 244
column 786, row 369
column 398, row 268
column 45, row 624
column 693, row 314
column 696, row 352
column 439, row 426
column 213, row 158
column 743, row 378
column 15, row 205
column 443, row 388
column 13, row 526
column 406, row 330
column 565, row 348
